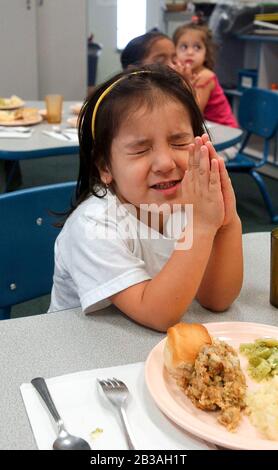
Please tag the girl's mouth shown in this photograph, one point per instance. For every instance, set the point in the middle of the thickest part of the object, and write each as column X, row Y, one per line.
column 166, row 187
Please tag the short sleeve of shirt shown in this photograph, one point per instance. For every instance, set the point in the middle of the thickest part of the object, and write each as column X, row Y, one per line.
column 102, row 261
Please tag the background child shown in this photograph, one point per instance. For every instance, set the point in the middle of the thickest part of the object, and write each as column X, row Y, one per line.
column 195, row 50
column 150, row 48
column 153, row 47
column 140, row 145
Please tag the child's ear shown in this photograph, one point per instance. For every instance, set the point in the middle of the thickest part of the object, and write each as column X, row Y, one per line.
column 105, row 175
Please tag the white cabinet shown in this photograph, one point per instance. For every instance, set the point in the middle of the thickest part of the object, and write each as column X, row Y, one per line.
column 18, row 49
column 62, row 47
column 43, row 48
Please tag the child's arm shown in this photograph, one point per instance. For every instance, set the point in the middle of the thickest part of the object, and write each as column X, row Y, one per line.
column 222, row 280
column 223, row 277
column 186, row 71
column 161, row 302
column 202, row 83
column 203, row 88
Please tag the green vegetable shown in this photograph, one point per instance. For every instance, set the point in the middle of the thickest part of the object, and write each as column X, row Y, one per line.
column 268, row 342
column 262, row 358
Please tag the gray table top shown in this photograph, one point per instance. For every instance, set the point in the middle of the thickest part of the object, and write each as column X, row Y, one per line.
column 60, row 343
column 40, row 145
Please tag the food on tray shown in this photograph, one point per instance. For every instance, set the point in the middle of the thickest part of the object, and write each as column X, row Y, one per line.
column 208, row 370
column 26, row 113
column 12, row 102
column 262, row 407
column 19, row 115
column 6, row 116
column 218, row 383
column 262, row 358
column 183, row 344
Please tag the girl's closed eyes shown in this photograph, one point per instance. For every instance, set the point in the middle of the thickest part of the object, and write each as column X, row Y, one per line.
column 138, row 147
column 140, row 152
column 182, row 146
column 161, row 59
column 181, row 140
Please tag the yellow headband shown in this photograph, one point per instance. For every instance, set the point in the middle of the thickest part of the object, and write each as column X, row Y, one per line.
column 105, row 92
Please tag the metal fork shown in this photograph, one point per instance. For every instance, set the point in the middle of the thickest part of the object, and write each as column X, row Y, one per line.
column 117, row 392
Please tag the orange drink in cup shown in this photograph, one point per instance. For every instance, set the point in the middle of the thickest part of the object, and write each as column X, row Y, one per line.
column 54, row 104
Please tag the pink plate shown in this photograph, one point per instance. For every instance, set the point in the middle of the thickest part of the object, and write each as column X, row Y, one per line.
column 174, row 403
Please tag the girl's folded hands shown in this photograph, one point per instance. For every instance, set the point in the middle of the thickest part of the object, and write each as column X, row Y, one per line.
column 201, row 186
column 231, row 215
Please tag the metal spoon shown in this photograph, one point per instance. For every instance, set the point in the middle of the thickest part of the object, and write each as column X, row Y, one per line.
column 64, row 441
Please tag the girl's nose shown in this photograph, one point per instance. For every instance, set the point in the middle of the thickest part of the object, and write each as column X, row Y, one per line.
column 189, row 50
column 163, row 162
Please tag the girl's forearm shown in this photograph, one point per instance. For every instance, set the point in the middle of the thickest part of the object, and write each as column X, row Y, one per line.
column 223, row 276
column 167, row 296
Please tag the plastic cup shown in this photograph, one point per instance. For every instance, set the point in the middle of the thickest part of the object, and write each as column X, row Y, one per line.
column 54, row 105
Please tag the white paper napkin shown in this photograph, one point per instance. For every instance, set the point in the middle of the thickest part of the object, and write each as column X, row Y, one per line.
column 16, row 133
column 84, row 408
column 71, row 133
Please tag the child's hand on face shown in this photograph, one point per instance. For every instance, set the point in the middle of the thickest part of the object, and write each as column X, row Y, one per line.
column 186, row 71
column 226, row 185
column 201, row 187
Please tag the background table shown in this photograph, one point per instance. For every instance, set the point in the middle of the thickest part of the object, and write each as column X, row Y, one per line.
column 64, row 342
column 224, row 137
column 40, row 145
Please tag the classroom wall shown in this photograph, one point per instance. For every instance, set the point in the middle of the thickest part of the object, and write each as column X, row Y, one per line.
column 102, row 22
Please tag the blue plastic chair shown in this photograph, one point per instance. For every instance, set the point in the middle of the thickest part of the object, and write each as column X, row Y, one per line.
column 27, row 238
column 257, row 115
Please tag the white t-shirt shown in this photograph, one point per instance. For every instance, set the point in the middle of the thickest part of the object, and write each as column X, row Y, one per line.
column 103, row 249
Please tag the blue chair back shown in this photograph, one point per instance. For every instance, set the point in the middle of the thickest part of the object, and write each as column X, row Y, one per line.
column 258, row 115
column 258, row 112
column 27, row 238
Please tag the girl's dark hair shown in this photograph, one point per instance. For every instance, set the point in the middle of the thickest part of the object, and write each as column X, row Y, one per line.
column 138, row 48
column 148, row 85
column 206, row 36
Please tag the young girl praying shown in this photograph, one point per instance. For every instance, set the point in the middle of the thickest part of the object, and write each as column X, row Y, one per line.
column 144, row 159
column 195, row 52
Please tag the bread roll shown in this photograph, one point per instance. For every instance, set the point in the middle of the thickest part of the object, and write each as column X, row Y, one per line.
column 6, row 116
column 184, row 341
column 26, row 113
